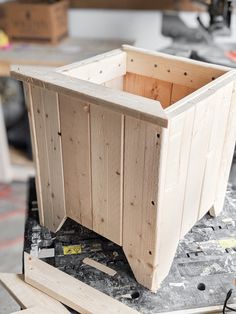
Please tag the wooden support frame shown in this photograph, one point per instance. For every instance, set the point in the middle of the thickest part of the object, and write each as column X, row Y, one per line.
column 133, row 148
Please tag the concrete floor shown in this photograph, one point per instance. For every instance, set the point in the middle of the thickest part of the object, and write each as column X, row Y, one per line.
column 12, row 218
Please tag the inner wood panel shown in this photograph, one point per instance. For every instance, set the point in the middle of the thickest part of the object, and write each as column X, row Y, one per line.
column 165, row 92
column 75, row 135
column 107, row 172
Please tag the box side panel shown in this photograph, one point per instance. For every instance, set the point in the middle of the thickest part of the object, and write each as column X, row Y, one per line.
column 168, row 68
column 180, row 91
column 221, row 101
column 226, row 157
column 141, row 164
column 116, row 83
column 149, row 87
column 59, row 19
column 107, row 172
column 75, row 135
column 47, row 127
column 34, row 143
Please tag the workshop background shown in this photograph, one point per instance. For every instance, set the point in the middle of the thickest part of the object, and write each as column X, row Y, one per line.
column 200, row 30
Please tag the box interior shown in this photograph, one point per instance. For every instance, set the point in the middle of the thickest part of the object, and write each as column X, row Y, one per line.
column 165, row 78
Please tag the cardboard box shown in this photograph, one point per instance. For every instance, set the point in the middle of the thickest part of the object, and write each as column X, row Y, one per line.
column 35, row 20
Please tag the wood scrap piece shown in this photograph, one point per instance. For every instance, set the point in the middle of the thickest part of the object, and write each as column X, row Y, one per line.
column 27, row 296
column 36, row 310
column 107, row 270
column 70, row 291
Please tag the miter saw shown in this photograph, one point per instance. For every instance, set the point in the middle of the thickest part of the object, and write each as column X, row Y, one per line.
column 206, row 41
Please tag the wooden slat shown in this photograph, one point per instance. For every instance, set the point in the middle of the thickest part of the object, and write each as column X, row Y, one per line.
column 183, row 71
column 201, row 133
column 174, row 166
column 54, row 151
column 149, row 87
column 226, row 157
column 141, row 163
column 27, row 296
column 179, row 92
column 115, row 100
column 31, row 117
column 75, row 134
column 221, row 99
column 107, row 270
column 43, row 166
column 107, row 172
column 70, row 291
column 98, row 69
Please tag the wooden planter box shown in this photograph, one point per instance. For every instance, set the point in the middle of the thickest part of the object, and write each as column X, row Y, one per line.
column 121, row 150
column 29, row 20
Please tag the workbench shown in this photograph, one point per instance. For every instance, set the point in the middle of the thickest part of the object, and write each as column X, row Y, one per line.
column 68, row 51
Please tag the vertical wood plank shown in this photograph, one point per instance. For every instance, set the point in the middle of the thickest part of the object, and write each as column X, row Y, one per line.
column 53, row 140
column 141, row 163
column 38, row 183
column 75, row 134
column 226, row 157
column 203, row 121
column 149, row 87
column 171, row 190
column 107, row 172
column 41, row 144
column 221, row 100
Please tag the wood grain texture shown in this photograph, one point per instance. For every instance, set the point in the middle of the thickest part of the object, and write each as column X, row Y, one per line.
column 107, row 172
column 141, row 163
column 180, row 91
column 103, row 268
column 47, row 127
column 54, row 151
column 27, row 296
column 70, row 291
column 148, row 87
column 33, row 134
column 36, row 310
column 75, row 136
column 173, row 167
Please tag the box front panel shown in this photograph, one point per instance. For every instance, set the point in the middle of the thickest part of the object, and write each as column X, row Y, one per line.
column 75, row 135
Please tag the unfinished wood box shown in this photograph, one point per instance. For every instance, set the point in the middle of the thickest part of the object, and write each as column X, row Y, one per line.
column 35, row 20
column 135, row 145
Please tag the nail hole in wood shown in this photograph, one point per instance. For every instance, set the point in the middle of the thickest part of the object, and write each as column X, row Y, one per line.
column 155, row 65
column 168, row 70
column 153, row 203
column 185, row 73
column 59, row 133
column 119, row 65
column 213, row 78
column 158, row 135
column 150, row 253
column 132, row 60
column 100, row 71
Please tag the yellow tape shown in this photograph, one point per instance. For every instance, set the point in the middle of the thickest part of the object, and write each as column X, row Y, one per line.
column 227, row 243
column 72, row 249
